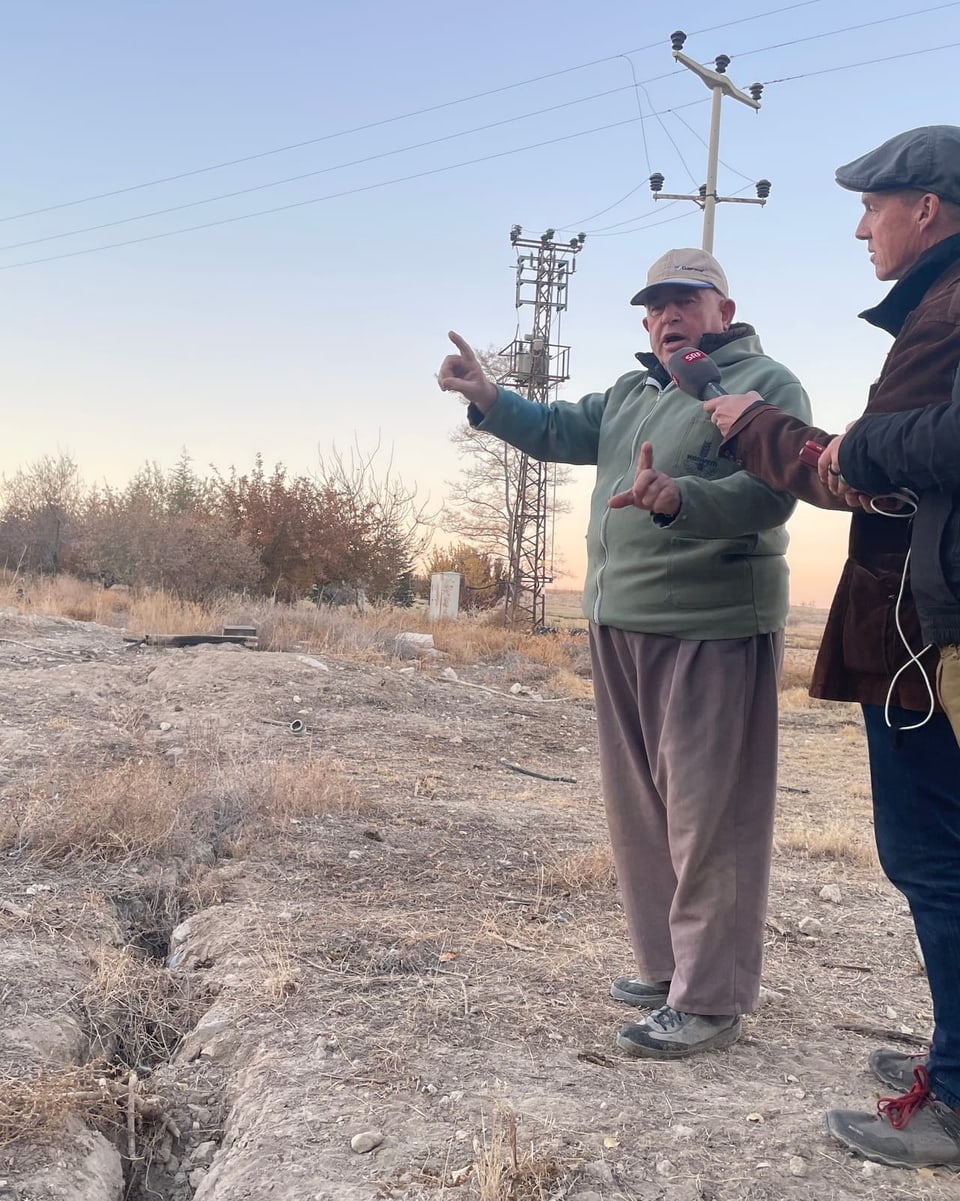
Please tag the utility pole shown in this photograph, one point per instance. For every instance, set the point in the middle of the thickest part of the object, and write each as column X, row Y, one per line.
column 537, row 366
column 720, row 85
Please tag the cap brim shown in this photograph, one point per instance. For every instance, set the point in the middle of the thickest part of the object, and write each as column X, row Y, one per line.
column 643, row 296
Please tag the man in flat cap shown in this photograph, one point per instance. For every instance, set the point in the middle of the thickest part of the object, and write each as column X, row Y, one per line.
column 687, row 603
column 880, row 645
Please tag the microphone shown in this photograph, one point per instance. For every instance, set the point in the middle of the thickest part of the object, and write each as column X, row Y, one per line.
column 695, row 373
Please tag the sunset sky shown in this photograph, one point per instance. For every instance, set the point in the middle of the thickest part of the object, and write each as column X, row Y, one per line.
column 240, row 227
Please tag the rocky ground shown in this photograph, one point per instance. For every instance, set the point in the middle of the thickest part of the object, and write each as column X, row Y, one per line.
column 396, row 987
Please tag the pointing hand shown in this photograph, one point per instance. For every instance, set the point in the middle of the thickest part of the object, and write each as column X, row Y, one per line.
column 653, row 490
column 463, row 373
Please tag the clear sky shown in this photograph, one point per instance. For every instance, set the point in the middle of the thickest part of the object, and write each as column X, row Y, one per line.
column 420, row 132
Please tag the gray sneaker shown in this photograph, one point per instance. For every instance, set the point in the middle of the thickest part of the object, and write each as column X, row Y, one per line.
column 912, row 1131
column 895, row 1068
column 639, row 992
column 669, row 1034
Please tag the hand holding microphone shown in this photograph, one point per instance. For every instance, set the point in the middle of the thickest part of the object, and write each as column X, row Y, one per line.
column 698, row 375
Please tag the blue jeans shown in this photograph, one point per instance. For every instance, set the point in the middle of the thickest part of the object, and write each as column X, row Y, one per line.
column 915, row 775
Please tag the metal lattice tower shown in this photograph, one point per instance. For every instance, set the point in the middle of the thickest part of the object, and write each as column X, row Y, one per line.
column 537, row 366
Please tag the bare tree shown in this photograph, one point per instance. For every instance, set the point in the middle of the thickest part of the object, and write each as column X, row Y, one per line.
column 39, row 508
column 393, row 527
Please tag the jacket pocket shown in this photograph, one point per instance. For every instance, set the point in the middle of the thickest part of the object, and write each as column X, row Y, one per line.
column 701, row 576
column 871, row 642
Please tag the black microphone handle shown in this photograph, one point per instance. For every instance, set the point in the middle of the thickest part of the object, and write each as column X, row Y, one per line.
column 711, row 391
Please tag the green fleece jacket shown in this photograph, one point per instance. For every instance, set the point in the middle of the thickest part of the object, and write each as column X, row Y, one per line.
column 718, row 569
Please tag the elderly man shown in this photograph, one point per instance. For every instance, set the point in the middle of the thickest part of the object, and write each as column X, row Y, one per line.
column 872, row 649
column 686, row 603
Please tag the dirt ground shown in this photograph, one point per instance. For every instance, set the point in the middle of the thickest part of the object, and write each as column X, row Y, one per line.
column 405, row 995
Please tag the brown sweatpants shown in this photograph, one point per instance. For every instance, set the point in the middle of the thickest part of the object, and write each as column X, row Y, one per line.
column 688, row 759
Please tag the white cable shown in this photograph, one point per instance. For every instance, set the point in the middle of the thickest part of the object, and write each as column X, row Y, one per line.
column 908, row 503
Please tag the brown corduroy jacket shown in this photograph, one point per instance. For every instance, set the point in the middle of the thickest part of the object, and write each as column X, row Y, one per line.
column 861, row 649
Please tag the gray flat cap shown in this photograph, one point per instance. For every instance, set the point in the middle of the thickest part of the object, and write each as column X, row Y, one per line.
column 926, row 159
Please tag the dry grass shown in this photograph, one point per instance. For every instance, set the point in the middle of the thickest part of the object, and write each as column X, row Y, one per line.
column 504, row 1172
column 584, row 871
column 281, row 977
column 841, row 841
column 147, row 807
column 844, row 838
column 63, row 596
column 796, row 671
column 366, row 637
column 111, row 811
column 564, row 682
column 325, row 631
column 138, row 1011
column 40, row 1105
column 282, row 793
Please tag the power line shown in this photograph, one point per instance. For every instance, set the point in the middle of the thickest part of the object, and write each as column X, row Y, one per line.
column 687, row 212
column 441, row 170
column 370, row 158
column 813, row 37
column 282, row 208
column 342, row 133
column 775, row 46
column 703, row 142
column 869, row 62
column 642, row 217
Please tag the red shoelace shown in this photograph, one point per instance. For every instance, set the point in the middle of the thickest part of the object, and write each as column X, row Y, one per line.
column 899, row 1110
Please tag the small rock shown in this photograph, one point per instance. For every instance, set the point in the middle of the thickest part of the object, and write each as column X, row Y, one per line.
column 366, row 1141
column 870, row 1169
column 810, row 925
column 311, row 662
column 449, row 674
column 409, row 645
column 164, row 726
column 769, row 996
column 891, row 1013
column 204, row 1153
column 831, row 893
column 598, row 1172
column 664, row 1167
column 797, row 1166
column 195, row 1179
column 755, row 1117
column 682, row 1131
column 354, row 854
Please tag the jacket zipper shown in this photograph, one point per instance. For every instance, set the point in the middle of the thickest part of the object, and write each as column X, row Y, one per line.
column 617, row 487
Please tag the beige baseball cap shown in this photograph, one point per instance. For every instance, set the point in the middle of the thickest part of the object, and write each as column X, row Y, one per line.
column 689, row 267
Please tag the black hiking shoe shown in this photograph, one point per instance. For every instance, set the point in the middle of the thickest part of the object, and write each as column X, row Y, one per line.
column 669, row 1034
column 639, row 992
